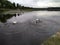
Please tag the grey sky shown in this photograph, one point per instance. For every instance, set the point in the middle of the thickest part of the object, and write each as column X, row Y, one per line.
column 38, row 3
column 56, row 0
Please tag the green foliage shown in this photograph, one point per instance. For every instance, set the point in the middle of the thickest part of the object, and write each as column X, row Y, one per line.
column 5, row 4
column 18, row 6
column 3, row 0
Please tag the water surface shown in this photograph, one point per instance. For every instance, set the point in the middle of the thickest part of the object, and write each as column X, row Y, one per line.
column 26, row 31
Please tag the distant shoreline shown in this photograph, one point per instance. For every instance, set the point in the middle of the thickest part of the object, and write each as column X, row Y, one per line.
column 13, row 11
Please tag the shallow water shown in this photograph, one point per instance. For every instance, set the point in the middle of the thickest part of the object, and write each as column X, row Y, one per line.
column 26, row 31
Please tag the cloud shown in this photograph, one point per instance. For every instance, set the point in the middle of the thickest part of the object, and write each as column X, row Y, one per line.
column 38, row 3
column 57, row 4
column 55, row 0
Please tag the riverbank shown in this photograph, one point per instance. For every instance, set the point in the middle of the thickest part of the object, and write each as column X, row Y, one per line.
column 54, row 40
column 13, row 11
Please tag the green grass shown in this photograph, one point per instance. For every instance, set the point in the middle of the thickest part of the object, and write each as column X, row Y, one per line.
column 54, row 40
column 3, row 10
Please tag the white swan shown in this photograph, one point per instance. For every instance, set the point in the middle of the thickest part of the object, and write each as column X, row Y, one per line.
column 14, row 22
column 38, row 21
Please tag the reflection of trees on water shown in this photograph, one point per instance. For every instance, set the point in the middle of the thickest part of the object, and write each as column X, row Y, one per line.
column 3, row 17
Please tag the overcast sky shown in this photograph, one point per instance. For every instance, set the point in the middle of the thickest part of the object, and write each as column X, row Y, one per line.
column 38, row 3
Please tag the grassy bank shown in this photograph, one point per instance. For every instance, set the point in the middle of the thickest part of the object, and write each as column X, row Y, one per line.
column 3, row 10
column 54, row 40
column 13, row 11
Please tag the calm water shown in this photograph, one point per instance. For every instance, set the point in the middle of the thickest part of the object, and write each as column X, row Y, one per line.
column 26, row 31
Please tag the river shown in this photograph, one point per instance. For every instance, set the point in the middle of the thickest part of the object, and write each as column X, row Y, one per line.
column 25, row 31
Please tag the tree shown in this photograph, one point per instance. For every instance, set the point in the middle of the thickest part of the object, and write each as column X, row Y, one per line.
column 3, row 1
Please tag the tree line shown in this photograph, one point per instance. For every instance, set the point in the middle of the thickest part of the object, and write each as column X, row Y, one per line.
column 8, row 5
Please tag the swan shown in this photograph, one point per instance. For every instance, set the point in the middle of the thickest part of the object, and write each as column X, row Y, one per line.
column 14, row 22
column 38, row 21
